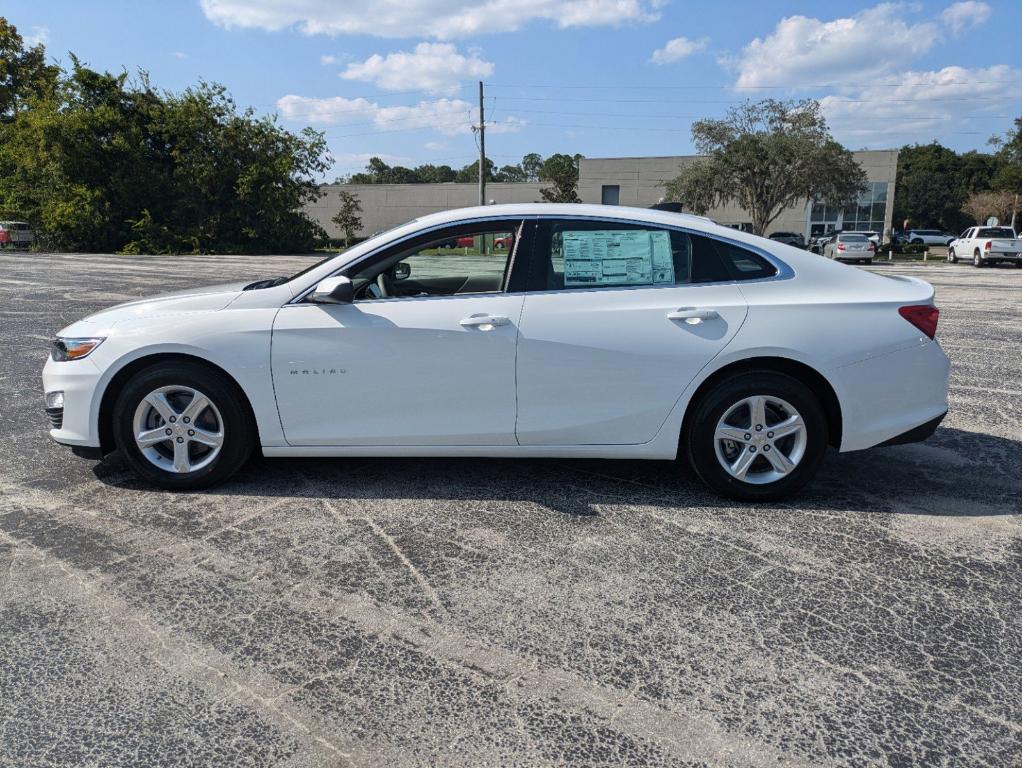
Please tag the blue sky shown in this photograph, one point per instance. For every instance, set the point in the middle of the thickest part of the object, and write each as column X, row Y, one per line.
column 397, row 78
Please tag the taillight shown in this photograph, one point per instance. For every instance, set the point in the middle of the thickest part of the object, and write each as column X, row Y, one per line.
column 922, row 316
column 840, row 246
column 872, row 245
column 988, row 245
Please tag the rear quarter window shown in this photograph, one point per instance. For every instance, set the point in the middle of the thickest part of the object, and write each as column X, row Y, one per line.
column 743, row 264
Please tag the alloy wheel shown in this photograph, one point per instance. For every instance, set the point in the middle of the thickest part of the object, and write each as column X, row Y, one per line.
column 760, row 439
column 178, row 429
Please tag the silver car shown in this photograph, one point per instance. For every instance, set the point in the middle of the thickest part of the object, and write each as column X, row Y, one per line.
column 929, row 237
column 850, row 247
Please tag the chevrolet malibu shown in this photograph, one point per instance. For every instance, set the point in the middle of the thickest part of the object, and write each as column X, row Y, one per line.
column 562, row 331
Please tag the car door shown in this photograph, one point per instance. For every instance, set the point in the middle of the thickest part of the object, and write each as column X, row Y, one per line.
column 430, row 364
column 618, row 319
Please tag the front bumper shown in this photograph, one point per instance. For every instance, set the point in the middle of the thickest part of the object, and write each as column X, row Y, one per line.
column 78, row 380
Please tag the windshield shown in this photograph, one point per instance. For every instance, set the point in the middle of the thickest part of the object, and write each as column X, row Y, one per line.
column 374, row 236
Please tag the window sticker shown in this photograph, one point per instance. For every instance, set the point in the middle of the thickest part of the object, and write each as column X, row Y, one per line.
column 617, row 257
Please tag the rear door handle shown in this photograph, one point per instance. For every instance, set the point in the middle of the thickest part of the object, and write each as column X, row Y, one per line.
column 693, row 316
column 479, row 321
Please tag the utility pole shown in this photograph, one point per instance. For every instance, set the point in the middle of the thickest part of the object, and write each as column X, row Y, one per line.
column 482, row 149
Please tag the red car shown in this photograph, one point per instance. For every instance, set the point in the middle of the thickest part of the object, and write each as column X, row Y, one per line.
column 469, row 241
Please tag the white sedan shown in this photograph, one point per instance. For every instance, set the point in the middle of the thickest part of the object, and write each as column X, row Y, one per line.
column 563, row 331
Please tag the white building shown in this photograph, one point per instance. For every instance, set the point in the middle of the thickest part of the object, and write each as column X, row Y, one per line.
column 635, row 181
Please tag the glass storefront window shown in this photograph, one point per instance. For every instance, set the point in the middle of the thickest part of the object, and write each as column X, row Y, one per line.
column 867, row 213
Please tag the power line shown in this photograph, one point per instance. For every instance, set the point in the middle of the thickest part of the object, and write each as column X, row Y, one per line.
column 803, row 86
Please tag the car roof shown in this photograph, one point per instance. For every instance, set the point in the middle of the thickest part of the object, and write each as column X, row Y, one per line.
column 562, row 209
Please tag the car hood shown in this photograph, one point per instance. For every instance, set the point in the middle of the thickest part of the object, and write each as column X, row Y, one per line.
column 203, row 299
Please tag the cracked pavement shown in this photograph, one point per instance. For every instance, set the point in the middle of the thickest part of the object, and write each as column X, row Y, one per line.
column 415, row 612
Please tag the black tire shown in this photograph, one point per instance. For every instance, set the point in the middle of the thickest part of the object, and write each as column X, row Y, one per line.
column 951, row 256
column 239, row 432
column 700, row 444
column 977, row 260
column 917, row 241
column 867, row 261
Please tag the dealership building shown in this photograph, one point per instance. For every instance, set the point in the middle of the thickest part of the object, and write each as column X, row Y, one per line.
column 634, row 181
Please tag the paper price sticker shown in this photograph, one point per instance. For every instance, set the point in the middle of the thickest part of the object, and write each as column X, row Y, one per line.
column 617, row 257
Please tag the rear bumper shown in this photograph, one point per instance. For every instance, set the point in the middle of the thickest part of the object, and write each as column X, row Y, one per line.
column 890, row 396
column 916, row 434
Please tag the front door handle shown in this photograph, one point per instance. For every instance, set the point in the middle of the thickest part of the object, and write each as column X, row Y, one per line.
column 693, row 316
column 484, row 322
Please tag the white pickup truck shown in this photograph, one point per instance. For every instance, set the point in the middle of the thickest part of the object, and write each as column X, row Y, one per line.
column 986, row 245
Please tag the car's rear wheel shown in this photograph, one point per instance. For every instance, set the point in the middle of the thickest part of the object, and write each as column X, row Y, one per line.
column 977, row 260
column 182, row 426
column 758, row 436
column 951, row 256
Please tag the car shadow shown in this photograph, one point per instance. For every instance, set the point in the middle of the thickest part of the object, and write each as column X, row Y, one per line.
column 955, row 473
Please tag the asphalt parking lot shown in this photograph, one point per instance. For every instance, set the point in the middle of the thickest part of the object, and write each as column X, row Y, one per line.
column 482, row 612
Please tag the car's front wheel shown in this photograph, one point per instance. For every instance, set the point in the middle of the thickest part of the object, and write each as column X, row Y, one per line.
column 757, row 436
column 182, row 426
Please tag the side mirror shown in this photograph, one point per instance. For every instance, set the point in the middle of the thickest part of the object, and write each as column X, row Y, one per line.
column 333, row 290
column 401, row 271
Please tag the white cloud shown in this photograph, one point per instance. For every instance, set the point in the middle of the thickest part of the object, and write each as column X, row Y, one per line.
column 802, row 52
column 328, row 59
column 38, row 36
column 433, row 67
column 444, row 19
column 677, row 49
column 179, row 55
column 435, row 146
column 920, row 106
column 965, row 15
column 447, row 116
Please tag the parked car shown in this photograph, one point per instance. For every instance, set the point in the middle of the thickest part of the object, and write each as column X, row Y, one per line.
column 789, row 238
column 851, row 246
column 15, row 234
column 470, row 241
column 873, row 237
column 929, row 237
column 605, row 331
column 986, row 245
column 817, row 242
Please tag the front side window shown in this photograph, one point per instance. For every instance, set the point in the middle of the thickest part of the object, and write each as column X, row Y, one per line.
column 575, row 254
column 453, row 262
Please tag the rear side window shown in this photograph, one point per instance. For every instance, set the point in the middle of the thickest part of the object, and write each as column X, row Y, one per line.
column 996, row 232
column 575, row 254
column 741, row 263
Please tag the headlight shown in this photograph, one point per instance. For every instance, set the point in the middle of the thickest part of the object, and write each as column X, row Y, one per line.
column 73, row 349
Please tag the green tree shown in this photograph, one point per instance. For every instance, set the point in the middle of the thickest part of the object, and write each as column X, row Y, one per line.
column 24, row 73
column 562, row 172
column 511, row 173
column 102, row 162
column 347, row 217
column 470, row 173
column 435, row 174
column 531, row 165
column 766, row 157
column 928, row 189
column 1008, row 177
